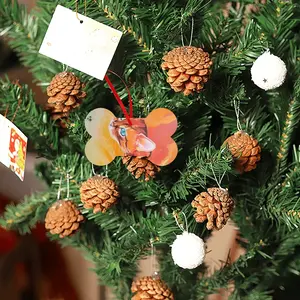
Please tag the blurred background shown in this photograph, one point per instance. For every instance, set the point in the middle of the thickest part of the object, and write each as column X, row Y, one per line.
column 32, row 267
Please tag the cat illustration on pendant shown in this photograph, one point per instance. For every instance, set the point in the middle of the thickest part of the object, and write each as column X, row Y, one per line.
column 149, row 137
column 133, row 139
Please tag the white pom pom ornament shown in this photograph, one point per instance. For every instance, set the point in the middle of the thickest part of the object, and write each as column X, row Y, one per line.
column 268, row 71
column 188, row 250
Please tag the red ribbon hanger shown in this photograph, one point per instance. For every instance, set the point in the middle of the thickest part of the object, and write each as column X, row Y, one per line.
column 127, row 115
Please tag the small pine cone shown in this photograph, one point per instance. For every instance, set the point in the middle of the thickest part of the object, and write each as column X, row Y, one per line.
column 99, row 193
column 245, row 151
column 215, row 206
column 188, row 69
column 139, row 166
column 63, row 218
column 151, row 289
column 64, row 94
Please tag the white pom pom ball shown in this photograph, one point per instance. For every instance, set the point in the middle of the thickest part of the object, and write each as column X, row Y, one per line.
column 188, row 251
column 268, row 71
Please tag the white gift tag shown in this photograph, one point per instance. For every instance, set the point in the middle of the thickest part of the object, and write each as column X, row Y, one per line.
column 87, row 46
column 13, row 147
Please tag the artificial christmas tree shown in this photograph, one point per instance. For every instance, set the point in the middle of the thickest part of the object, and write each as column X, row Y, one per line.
column 266, row 199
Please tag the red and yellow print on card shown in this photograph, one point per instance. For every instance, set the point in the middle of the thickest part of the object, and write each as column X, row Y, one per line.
column 13, row 147
column 149, row 137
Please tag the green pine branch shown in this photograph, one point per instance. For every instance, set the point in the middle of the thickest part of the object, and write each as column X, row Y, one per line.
column 216, row 28
column 283, row 204
column 151, row 24
column 25, row 34
column 277, row 21
column 259, row 295
column 290, row 125
column 23, row 216
column 122, row 16
column 255, row 121
column 116, row 253
column 106, row 267
column 21, row 109
column 243, row 51
column 134, row 192
column 182, row 282
column 206, row 165
column 230, row 272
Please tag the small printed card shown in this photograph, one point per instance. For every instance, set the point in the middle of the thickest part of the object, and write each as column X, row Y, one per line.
column 81, row 43
column 13, row 147
column 149, row 137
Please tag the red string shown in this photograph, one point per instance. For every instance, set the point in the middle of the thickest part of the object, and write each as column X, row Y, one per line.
column 127, row 116
column 128, row 92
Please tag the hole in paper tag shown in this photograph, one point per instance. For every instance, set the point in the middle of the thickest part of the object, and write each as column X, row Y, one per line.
column 147, row 137
column 85, row 45
column 13, row 147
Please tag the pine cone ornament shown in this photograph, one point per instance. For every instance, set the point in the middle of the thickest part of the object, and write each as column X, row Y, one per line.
column 140, row 166
column 245, row 151
column 151, row 289
column 188, row 69
column 64, row 94
column 99, row 193
column 215, row 206
column 63, row 218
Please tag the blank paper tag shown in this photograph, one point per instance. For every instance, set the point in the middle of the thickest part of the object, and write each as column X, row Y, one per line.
column 88, row 46
column 13, row 147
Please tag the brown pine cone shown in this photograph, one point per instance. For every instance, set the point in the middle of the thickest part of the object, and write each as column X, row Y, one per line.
column 63, row 218
column 188, row 69
column 245, row 151
column 215, row 206
column 140, row 166
column 99, row 193
column 151, row 289
column 64, row 94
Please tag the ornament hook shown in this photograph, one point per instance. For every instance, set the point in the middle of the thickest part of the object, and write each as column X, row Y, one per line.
column 183, row 228
column 181, row 31
column 237, row 113
column 218, row 182
column 59, row 189
column 93, row 170
column 6, row 111
column 68, row 186
column 154, row 272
